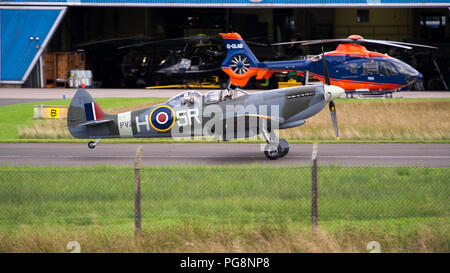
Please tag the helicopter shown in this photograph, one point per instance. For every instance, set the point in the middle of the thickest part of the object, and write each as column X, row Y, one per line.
column 223, row 114
column 199, row 59
column 139, row 60
column 115, row 66
column 200, row 56
column 352, row 66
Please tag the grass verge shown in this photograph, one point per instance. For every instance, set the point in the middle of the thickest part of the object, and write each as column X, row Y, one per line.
column 16, row 121
column 226, row 208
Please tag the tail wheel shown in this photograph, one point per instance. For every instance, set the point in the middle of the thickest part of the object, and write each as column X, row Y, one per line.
column 91, row 144
column 240, row 64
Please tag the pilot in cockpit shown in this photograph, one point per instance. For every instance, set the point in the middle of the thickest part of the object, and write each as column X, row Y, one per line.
column 187, row 99
column 227, row 94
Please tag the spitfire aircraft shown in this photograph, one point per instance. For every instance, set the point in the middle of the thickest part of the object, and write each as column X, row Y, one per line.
column 223, row 114
column 352, row 66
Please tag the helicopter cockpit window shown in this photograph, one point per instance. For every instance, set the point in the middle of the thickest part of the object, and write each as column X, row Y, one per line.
column 353, row 68
column 195, row 60
column 186, row 99
column 387, row 69
column 404, row 68
column 370, row 67
column 169, row 60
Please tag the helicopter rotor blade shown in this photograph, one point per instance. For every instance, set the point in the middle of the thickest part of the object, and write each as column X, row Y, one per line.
column 255, row 43
column 386, row 43
column 195, row 37
column 357, row 41
column 314, row 42
column 351, row 41
column 113, row 40
column 401, row 43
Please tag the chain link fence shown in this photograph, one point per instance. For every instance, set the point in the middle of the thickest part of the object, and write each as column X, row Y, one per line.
column 35, row 198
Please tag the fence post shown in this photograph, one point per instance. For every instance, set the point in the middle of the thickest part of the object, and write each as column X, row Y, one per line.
column 137, row 192
column 314, row 209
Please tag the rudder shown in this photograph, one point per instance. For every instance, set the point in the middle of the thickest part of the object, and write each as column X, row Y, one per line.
column 83, row 110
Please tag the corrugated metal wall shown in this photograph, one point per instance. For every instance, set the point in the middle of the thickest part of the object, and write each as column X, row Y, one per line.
column 24, row 34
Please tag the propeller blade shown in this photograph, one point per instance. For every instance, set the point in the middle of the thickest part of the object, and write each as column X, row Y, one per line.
column 325, row 69
column 333, row 118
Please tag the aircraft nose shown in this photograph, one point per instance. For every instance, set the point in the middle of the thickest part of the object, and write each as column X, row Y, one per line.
column 419, row 76
column 332, row 92
column 412, row 79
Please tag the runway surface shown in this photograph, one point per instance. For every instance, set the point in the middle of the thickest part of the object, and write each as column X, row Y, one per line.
column 78, row 154
column 18, row 101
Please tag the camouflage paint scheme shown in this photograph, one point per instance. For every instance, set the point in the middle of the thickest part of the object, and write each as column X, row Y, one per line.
column 288, row 107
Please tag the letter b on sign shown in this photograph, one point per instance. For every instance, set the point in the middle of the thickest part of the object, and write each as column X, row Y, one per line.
column 53, row 112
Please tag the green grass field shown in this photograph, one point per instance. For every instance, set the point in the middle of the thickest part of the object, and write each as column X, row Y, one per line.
column 360, row 120
column 17, row 116
column 254, row 206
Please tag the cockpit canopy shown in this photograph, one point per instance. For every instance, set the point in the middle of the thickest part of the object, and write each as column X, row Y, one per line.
column 194, row 97
column 186, row 98
column 223, row 95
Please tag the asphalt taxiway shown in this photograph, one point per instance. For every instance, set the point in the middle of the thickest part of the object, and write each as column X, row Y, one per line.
column 156, row 154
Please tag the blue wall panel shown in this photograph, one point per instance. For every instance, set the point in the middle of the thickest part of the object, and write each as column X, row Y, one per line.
column 18, row 50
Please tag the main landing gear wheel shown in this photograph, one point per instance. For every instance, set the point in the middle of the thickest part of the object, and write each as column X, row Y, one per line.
column 273, row 151
column 275, row 148
column 283, row 148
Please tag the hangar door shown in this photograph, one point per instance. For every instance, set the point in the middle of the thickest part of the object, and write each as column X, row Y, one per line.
column 25, row 32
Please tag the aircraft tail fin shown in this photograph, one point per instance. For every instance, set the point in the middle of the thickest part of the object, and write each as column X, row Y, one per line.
column 84, row 111
column 240, row 63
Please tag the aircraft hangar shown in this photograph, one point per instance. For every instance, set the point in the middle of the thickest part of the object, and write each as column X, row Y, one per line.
column 31, row 28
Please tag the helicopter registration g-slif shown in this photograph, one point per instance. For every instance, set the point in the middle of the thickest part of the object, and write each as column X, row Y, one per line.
column 223, row 114
column 351, row 65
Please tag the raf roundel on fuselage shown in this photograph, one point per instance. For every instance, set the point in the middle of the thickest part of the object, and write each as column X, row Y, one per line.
column 162, row 118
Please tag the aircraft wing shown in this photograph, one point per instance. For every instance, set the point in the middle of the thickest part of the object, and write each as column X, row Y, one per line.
column 252, row 121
